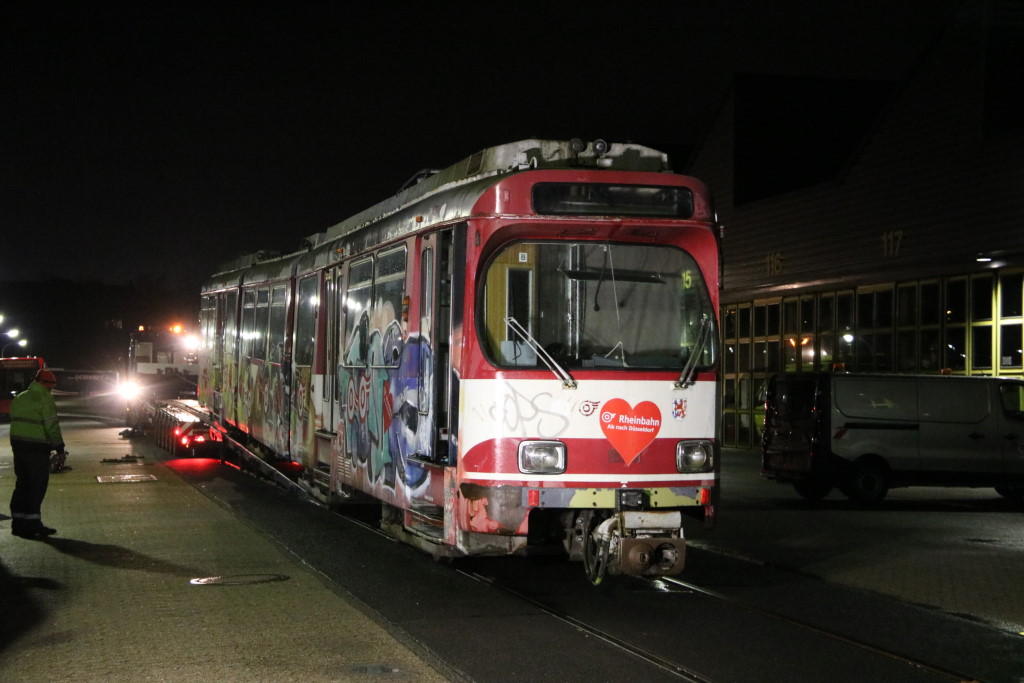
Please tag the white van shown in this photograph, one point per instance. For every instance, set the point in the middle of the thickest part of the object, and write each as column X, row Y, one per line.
column 866, row 433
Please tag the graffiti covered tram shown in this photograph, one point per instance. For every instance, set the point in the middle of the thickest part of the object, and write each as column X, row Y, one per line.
column 518, row 350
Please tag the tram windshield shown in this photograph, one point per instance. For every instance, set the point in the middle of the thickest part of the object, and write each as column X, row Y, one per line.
column 597, row 305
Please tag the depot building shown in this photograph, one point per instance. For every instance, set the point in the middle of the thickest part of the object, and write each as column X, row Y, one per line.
column 874, row 225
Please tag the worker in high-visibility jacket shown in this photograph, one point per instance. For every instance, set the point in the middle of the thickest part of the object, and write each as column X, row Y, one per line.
column 35, row 432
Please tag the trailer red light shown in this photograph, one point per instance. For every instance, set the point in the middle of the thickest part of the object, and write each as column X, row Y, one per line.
column 533, row 497
column 705, row 496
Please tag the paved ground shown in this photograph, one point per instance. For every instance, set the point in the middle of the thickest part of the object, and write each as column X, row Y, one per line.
column 112, row 597
column 955, row 549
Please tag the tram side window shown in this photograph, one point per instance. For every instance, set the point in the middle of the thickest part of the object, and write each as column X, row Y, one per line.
column 425, row 375
column 426, row 292
column 277, row 332
column 260, row 333
column 248, row 322
column 389, row 306
column 208, row 322
column 305, row 321
column 357, row 312
column 230, row 325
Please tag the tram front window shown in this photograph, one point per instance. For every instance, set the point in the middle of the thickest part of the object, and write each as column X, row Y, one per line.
column 596, row 305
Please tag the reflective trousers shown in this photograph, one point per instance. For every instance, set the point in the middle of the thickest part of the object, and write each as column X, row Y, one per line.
column 32, row 472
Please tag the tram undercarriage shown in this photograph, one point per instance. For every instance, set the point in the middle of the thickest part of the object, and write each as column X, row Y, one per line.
column 607, row 542
column 627, row 542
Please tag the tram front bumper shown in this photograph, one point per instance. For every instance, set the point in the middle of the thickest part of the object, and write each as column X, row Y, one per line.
column 645, row 543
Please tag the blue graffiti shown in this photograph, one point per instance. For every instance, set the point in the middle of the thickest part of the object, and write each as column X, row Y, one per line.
column 389, row 414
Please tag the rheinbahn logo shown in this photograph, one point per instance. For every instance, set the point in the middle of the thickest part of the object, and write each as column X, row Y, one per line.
column 630, row 429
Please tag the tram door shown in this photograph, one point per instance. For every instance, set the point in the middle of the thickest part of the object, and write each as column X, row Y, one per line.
column 330, row 392
column 441, row 290
column 304, row 389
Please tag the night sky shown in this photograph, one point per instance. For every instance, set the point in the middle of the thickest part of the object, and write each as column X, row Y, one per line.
column 155, row 142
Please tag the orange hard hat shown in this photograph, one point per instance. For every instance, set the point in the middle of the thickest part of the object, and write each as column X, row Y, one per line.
column 46, row 377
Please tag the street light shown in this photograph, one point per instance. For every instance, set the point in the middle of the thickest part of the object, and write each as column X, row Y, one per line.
column 21, row 342
column 13, row 334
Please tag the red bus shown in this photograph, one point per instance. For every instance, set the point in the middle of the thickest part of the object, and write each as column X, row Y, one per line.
column 518, row 350
column 15, row 376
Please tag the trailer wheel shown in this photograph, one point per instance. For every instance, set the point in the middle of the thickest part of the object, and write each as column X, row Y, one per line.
column 813, row 489
column 867, row 482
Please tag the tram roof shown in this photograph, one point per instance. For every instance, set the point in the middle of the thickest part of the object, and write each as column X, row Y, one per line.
column 506, row 159
column 491, row 162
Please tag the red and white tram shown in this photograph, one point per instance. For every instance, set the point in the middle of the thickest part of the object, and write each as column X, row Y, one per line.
column 518, row 349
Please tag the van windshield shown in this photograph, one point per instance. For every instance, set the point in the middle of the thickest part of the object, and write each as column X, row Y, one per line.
column 793, row 397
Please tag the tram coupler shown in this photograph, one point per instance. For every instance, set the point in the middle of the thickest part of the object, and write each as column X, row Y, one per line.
column 644, row 543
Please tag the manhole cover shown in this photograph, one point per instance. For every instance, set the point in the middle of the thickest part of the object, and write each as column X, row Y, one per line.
column 123, row 460
column 237, row 579
column 125, row 478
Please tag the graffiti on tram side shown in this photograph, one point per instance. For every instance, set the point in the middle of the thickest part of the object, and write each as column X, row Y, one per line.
column 388, row 418
column 520, row 414
column 304, row 418
column 263, row 402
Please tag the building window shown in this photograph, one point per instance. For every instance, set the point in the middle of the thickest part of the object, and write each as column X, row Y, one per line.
column 981, row 347
column 955, row 350
column 1010, row 343
column 1010, row 295
column 1010, row 321
column 931, row 304
column 956, row 301
column 981, row 298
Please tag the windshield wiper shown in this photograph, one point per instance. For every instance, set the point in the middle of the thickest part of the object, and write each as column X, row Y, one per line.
column 567, row 381
column 703, row 335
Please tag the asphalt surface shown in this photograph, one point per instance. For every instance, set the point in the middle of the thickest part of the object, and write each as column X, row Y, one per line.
column 290, row 591
column 956, row 550
column 150, row 579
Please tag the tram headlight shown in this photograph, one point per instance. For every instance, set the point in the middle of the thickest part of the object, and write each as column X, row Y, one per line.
column 541, row 457
column 694, row 456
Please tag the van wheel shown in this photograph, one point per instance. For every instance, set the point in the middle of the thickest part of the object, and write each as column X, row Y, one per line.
column 813, row 489
column 868, row 482
column 1011, row 492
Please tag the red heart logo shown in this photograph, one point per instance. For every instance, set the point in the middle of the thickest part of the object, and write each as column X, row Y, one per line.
column 630, row 429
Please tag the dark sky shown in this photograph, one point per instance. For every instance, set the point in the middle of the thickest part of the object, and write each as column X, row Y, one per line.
column 144, row 140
